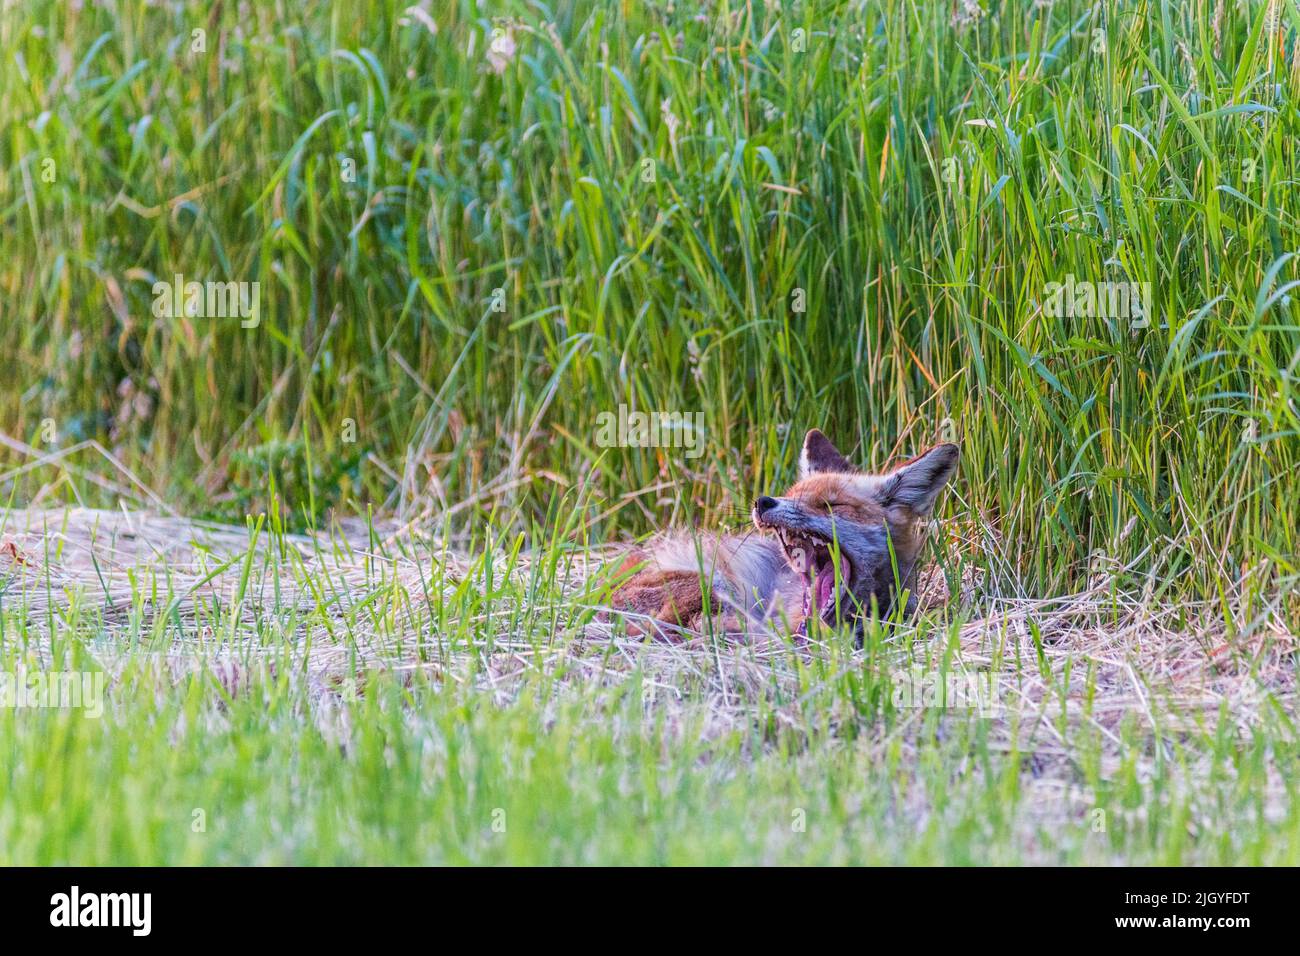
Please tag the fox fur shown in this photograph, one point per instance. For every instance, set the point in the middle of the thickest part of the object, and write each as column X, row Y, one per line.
column 840, row 544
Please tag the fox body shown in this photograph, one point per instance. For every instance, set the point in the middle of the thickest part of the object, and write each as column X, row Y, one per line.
column 840, row 544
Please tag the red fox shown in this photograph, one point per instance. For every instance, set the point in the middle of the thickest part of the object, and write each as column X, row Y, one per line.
column 840, row 544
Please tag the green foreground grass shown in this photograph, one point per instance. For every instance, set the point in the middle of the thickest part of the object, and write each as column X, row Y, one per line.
column 430, row 777
column 286, row 699
column 476, row 230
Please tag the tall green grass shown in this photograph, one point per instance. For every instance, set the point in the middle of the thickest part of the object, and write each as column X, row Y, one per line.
column 648, row 186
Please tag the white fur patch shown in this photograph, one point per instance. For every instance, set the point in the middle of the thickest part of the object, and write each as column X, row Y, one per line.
column 867, row 485
column 743, row 570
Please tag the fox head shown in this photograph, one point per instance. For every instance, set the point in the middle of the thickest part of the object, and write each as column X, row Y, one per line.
column 838, row 526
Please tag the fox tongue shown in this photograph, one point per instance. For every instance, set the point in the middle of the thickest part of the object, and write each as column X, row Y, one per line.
column 824, row 585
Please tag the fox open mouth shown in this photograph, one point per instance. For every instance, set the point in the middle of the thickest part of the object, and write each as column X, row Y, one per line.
column 810, row 554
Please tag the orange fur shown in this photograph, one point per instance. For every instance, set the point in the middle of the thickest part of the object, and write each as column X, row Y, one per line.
column 877, row 519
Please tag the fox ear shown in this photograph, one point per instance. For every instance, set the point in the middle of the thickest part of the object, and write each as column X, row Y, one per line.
column 820, row 455
column 917, row 483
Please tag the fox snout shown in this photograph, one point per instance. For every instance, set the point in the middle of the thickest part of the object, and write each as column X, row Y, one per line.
column 793, row 512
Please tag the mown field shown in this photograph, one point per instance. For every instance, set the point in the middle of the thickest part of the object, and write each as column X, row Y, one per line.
column 338, row 560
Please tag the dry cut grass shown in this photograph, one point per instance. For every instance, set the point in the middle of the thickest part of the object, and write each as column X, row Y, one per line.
column 366, row 599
